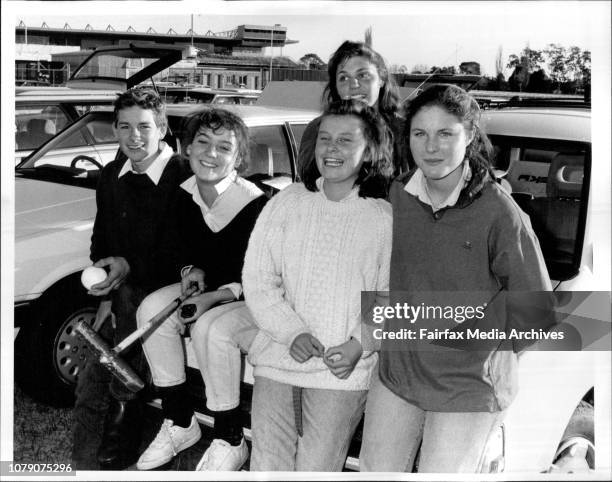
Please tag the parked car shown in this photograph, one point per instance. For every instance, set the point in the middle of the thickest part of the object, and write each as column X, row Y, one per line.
column 41, row 112
column 54, row 214
column 205, row 95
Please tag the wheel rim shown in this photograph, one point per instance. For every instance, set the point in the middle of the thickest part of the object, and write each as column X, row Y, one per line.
column 576, row 454
column 71, row 351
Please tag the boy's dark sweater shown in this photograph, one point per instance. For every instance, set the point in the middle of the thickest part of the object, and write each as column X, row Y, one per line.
column 220, row 254
column 136, row 220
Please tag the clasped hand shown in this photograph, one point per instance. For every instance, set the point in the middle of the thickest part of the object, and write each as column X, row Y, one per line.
column 119, row 269
column 341, row 360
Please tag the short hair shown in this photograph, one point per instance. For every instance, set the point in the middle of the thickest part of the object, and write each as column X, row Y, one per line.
column 215, row 119
column 388, row 96
column 145, row 98
column 377, row 169
column 465, row 108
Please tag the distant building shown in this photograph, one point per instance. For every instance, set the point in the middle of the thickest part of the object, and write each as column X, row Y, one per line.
column 226, row 59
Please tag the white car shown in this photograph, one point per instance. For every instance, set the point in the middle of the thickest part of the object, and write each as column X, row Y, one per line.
column 545, row 158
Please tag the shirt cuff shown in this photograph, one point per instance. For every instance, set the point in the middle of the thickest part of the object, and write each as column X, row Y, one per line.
column 235, row 288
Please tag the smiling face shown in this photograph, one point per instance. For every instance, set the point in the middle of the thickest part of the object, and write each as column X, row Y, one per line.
column 438, row 141
column 138, row 136
column 340, row 150
column 358, row 78
column 213, row 155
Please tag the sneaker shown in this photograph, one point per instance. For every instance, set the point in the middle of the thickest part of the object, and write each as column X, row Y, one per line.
column 222, row 456
column 170, row 440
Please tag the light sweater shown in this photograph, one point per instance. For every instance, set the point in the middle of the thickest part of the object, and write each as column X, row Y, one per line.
column 307, row 262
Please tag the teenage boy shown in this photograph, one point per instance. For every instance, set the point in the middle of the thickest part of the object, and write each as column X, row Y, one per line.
column 134, row 240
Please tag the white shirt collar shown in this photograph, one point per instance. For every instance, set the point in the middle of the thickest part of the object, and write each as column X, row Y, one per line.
column 234, row 194
column 156, row 169
column 416, row 186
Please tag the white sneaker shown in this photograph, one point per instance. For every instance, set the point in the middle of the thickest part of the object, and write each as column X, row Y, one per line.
column 170, row 440
column 222, row 456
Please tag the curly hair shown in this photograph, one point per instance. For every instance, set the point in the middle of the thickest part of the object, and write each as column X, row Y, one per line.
column 463, row 106
column 145, row 98
column 377, row 168
column 388, row 96
column 217, row 119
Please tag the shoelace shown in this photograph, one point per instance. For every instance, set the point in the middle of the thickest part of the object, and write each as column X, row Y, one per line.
column 220, row 454
column 165, row 431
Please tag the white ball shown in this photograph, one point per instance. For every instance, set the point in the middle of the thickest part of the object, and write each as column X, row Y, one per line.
column 92, row 275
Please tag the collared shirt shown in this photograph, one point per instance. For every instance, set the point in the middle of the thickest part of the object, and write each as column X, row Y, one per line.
column 417, row 187
column 234, row 193
column 156, row 168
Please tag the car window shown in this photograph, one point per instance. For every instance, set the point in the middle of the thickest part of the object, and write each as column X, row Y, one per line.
column 270, row 161
column 547, row 180
column 35, row 124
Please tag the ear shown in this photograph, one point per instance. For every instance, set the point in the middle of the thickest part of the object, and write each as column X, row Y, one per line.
column 188, row 150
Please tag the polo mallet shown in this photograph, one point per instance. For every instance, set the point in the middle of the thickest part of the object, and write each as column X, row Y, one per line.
column 109, row 357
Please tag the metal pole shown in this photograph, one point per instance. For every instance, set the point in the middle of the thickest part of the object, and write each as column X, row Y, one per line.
column 271, row 51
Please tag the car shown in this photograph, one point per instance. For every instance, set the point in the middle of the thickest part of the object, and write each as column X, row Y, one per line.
column 204, row 95
column 41, row 112
column 543, row 156
column 54, row 213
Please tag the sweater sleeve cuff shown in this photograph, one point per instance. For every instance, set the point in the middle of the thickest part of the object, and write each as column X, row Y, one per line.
column 235, row 288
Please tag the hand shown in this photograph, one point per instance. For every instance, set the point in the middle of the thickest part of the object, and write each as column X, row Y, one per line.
column 341, row 359
column 119, row 270
column 304, row 347
column 104, row 311
column 202, row 302
column 195, row 275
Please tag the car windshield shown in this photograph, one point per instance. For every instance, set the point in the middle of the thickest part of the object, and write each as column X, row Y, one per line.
column 120, row 65
column 549, row 180
column 79, row 151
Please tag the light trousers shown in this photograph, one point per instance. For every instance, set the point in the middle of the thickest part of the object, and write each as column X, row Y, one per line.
column 329, row 419
column 393, row 430
column 218, row 337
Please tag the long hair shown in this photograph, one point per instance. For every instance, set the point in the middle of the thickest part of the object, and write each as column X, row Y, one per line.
column 463, row 106
column 388, row 96
column 377, row 168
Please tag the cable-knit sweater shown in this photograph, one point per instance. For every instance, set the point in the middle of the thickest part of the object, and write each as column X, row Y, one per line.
column 307, row 262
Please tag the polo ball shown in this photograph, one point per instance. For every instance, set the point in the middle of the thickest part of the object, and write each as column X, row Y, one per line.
column 92, row 275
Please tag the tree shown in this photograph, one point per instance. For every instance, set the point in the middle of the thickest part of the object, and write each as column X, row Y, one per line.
column 420, row 69
column 313, row 62
column 557, row 63
column 398, row 69
column 449, row 69
column 531, row 59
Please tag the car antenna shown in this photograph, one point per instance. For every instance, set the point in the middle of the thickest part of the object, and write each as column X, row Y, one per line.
column 418, row 87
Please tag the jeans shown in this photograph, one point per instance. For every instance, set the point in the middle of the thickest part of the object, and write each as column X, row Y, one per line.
column 394, row 428
column 217, row 337
column 329, row 420
column 95, row 384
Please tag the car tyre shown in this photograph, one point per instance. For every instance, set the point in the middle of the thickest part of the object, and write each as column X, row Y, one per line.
column 576, row 452
column 48, row 353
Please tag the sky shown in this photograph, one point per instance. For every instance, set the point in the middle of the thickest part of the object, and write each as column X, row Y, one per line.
column 404, row 32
